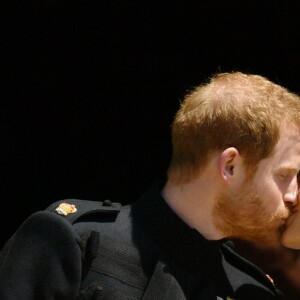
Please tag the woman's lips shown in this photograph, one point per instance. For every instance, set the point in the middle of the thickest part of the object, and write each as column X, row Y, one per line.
column 290, row 220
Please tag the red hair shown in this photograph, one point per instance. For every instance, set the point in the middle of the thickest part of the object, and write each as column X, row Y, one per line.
column 232, row 110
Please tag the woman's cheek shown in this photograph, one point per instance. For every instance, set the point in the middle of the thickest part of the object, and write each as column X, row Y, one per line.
column 291, row 235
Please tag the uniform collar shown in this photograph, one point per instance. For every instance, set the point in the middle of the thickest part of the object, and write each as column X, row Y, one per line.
column 186, row 246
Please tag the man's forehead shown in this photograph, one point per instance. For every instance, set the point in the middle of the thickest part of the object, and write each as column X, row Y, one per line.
column 287, row 151
column 286, row 155
column 289, row 131
column 289, row 140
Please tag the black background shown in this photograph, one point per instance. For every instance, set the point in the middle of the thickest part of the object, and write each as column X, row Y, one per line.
column 90, row 88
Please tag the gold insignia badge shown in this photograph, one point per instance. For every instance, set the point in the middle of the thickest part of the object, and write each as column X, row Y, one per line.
column 65, row 209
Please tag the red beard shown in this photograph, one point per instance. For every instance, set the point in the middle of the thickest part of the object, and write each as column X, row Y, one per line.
column 244, row 216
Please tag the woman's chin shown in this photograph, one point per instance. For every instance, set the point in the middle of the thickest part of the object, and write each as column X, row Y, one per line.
column 290, row 243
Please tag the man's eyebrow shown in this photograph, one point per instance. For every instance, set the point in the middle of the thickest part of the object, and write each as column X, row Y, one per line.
column 287, row 168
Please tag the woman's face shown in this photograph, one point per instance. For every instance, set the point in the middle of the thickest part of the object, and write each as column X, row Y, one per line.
column 291, row 235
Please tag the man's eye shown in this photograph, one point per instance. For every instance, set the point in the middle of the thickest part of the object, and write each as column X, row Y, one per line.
column 284, row 175
column 289, row 176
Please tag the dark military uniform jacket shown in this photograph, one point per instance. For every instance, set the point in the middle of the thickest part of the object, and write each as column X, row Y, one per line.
column 143, row 251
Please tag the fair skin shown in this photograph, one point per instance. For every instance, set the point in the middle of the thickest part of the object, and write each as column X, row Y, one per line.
column 291, row 236
column 273, row 190
column 185, row 201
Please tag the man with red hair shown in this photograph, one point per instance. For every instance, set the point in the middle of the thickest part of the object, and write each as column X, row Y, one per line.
column 233, row 175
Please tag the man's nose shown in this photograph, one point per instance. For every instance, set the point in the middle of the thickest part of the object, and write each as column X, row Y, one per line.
column 291, row 196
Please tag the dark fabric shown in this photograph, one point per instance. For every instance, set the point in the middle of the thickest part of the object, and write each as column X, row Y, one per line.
column 198, row 264
column 42, row 261
column 142, row 252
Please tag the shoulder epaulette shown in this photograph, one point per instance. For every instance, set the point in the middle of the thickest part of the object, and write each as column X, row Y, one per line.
column 73, row 209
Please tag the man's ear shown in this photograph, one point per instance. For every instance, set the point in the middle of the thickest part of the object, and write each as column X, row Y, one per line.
column 227, row 163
